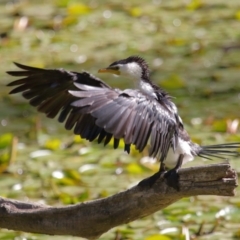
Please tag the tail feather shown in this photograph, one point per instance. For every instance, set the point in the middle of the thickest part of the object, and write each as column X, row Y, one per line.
column 222, row 151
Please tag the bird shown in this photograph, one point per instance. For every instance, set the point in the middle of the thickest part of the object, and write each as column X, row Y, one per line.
column 143, row 116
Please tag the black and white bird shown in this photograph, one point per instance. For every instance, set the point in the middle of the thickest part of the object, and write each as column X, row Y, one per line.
column 95, row 110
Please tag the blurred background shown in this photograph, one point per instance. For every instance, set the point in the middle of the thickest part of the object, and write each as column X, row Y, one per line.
column 192, row 47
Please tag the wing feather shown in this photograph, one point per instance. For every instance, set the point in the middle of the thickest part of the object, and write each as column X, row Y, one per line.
column 71, row 120
column 102, row 135
column 113, row 123
column 96, row 111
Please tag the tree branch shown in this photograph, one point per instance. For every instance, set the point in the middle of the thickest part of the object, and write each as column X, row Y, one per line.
column 92, row 219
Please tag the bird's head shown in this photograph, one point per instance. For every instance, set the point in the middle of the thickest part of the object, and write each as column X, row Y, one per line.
column 133, row 67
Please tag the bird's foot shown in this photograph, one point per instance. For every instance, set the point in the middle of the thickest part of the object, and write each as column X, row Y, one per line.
column 150, row 181
column 172, row 175
column 172, row 178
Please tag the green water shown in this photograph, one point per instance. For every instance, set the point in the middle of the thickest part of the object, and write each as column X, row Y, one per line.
column 193, row 50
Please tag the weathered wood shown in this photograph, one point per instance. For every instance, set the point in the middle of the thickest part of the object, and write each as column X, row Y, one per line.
column 92, row 219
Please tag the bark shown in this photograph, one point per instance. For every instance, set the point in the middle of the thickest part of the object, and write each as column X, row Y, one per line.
column 91, row 219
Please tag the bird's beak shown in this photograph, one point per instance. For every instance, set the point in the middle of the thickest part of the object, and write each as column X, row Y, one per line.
column 109, row 70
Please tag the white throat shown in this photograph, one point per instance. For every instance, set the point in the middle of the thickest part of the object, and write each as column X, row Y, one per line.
column 146, row 88
column 131, row 70
column 134, row 71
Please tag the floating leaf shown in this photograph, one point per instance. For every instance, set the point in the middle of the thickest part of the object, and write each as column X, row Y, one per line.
column 77, row 139
column 177, row 41
column 52, row 144
column 83, row 196
column 4, row 157
column 135, row 11
column 65, row 181
column 62, row 3
column 73, row 174
column 4, row 161
column 219, row 126
column 66, row 198
column 5, row 140
column 134, row 168
column 104, row 193
column 69, row 20
column 237, row 15
column 157, row 237
column 78, row 9
column 125, row 231
column 69, row 199
column 194, row 5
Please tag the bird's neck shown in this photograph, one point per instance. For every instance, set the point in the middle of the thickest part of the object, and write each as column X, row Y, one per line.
column 146, row 87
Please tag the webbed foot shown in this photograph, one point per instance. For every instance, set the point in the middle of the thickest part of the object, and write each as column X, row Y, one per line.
column 150, row 181
column 172, row 178
column 172, row 175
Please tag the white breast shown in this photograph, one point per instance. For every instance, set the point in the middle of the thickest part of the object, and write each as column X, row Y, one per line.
column 182, row 148
column 147, row 89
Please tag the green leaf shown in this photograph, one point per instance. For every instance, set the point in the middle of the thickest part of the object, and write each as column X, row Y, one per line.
column 194, row 5
column 237, row 15
column 134, row 168
column 52, row 144
column 78, row 9
column 4, row 157
column 157, row 237
column 219, row 126
column 72, row 174
column 135, row 11
column 5, row 140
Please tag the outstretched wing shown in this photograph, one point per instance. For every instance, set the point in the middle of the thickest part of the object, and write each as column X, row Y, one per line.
column 96, row 111
column 47, row 89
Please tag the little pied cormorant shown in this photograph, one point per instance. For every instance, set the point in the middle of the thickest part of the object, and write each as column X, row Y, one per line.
column 95, row 110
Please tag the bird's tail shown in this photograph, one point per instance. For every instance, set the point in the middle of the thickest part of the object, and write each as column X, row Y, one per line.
column 222, row 151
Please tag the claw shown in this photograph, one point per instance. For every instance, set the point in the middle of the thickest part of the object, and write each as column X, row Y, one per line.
column 149, row 182
column 172, row 175
column 172, row 178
